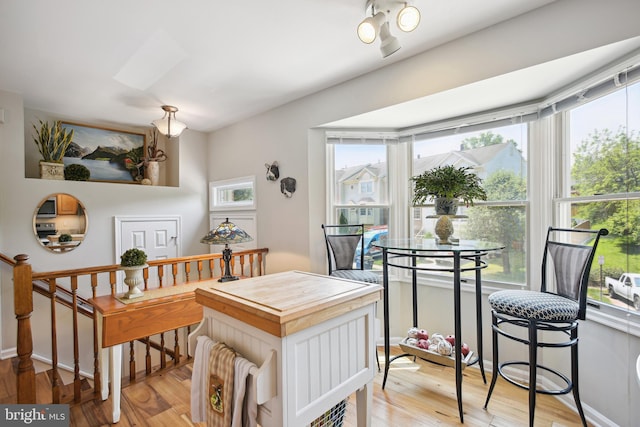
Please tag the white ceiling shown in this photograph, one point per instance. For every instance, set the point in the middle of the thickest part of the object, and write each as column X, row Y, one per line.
column 219, row 62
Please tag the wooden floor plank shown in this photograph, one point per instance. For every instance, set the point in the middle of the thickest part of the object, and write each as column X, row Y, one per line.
column 417, row 394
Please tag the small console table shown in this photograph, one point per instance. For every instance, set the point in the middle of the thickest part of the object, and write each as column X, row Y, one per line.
column 404, row 254
column 151, row 314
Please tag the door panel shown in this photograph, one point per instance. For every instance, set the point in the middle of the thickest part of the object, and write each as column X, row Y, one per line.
column 158, row 237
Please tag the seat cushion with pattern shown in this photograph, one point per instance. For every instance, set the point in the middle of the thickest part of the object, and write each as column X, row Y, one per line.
column 359, row 275
column 534, row 305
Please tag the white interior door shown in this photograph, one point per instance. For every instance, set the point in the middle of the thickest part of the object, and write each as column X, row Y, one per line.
column 159, row 237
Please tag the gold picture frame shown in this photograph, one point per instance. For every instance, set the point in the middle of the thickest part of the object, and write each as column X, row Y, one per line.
column 111, row 155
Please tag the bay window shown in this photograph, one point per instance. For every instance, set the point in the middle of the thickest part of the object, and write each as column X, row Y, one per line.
column 584, row 159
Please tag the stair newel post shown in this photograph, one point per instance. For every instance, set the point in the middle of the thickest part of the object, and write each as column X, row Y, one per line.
column 23, row 307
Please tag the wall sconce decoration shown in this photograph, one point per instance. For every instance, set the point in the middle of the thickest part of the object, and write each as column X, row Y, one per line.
column 288, row 186
column 225, row 234
column 168, row 125
column 273, row 173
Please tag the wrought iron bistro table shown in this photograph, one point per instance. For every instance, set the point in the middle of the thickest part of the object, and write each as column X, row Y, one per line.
column 404, row 254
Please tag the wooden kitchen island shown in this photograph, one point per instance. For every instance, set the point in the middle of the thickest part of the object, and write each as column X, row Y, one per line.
column 312, row 337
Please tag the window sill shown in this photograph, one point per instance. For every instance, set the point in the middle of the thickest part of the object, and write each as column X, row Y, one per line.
column 619, row 320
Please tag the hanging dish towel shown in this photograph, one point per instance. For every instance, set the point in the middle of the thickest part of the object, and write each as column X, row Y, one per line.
column 220, row 385
column 199, row 378
column 244, row 407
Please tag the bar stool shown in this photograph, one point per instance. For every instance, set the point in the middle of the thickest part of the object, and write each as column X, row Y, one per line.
column 551, row 312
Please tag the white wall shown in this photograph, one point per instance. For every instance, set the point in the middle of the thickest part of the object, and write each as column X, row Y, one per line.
column 290, row 228
column 19, row 197
column 286, row 134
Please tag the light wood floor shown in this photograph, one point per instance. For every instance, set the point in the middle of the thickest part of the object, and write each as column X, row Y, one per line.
column 416, row 394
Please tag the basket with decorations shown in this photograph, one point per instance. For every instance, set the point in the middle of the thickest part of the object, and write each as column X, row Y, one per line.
column 435, row 348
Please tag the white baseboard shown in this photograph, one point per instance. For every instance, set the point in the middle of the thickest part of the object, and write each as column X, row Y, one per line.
column 62, row 366
column 593, row 417
column 8, row 353
column 12, row 352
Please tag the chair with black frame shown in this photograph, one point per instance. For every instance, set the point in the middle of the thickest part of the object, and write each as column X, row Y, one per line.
column 548, row 311
column 343, row 242
column 342, row 249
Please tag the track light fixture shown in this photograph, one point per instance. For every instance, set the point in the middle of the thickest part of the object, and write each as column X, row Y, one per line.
column 407, row 19
column 369, row 28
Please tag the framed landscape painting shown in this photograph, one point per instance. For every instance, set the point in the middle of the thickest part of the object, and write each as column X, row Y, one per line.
column 110, row 155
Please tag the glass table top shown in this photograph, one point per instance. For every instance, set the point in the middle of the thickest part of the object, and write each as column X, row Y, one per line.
column 431, row 245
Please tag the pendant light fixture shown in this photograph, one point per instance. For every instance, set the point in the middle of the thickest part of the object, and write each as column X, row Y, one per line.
column 168, row 125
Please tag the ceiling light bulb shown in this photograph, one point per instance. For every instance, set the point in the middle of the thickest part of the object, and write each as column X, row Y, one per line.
column 368, row 29
column 408, row 18
column 388, row 43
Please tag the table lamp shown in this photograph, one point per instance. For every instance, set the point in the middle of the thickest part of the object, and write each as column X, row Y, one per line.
column 225, row 234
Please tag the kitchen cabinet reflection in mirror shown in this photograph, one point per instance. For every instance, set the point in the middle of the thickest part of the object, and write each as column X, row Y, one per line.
column 59, row 214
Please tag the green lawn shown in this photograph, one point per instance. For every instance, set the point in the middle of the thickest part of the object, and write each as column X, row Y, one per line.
column 618, row 255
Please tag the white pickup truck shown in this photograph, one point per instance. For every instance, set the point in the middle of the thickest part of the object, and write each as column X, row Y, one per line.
column 628, row 287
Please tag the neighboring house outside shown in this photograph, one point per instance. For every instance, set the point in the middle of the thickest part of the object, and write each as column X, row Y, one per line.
column 364, row 186
column 483, row 160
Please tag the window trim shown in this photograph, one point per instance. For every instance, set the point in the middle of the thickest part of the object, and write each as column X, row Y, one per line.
column 217, row 187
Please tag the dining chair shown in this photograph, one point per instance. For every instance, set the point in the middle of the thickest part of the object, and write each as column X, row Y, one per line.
column 554, row 311
column 343, row 242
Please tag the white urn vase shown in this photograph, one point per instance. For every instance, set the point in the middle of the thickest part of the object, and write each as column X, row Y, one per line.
column 134, row 277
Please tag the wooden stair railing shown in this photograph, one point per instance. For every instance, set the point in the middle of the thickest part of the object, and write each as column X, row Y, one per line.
column 248, row 263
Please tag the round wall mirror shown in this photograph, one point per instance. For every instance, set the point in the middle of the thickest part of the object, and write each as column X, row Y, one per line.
column 60, row 223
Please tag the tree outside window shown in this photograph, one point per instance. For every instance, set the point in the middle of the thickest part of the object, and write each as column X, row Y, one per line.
column 605, row 189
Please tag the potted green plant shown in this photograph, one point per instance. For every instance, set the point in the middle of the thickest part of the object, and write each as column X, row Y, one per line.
column 133, row 262
column 76, row 172
column 52, row 141
column 65, row 238
column 447, row 185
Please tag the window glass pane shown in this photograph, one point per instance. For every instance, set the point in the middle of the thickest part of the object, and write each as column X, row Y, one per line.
column 605, row 144
column 499, row 157
column 361, row 176
column 617, row 256
column 604, row 161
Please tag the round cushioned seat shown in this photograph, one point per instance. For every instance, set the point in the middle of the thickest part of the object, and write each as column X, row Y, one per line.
column 358, row 275
column 534, row 305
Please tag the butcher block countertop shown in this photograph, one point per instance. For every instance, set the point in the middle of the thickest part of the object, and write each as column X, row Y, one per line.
column 284, row 303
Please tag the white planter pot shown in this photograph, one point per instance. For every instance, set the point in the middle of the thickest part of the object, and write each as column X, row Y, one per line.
column 133, row 279
column 49, row 170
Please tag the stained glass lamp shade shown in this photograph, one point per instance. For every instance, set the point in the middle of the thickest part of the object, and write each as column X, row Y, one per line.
column 227, row 233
